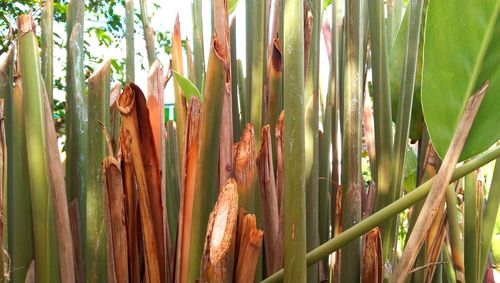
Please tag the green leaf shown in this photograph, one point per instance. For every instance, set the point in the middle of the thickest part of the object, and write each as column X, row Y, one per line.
column 188, row 88
column 460, row 53
column 326, row 3
column 232, row 5
column 410, row 170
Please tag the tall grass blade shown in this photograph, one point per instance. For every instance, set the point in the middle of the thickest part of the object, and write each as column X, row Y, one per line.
column 198, row 50
column 36, row 141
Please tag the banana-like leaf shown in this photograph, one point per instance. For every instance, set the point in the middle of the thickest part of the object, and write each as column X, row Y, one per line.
column 460, row 53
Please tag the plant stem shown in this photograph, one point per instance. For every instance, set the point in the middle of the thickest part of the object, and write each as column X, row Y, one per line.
column 403, row 119
column 473, row 212
column 95, row 234
column 129, row 39
column 294, row 140
column 46, row 45
column 388, row 212
column 457, row 249
column 351, row 145
column 237, row 126
column 20, row 235
column 206, row 168
column 149, row 34
column 41, row 203
column 199, row 55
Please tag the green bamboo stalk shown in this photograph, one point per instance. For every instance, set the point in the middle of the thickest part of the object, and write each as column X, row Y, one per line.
column 47, row 48
column 250, row 8
column 257, row 67
column 3, row 193
column 173, row 181
column 149, row 34
column 381, row 101
column 449, row 272
column 198, row 51
column 394, row 17
column 275, row 83
column 473, row 211
column 351, row 146
column 294, row 140
column 129, row 40
column 237, row 126
column 457, row 248
column 41, row 202
column 489, row 218
column 189, row 59
column 95, row 234
column 20, row 235
column 76, row 114
column 403, row 123
column 206, row 169
column 388, row 212
column 312, row 139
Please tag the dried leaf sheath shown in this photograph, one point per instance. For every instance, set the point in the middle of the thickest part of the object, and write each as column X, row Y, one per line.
column 127, row 106
column 249, row 249
column 114, row 204
column 188, row 181
column 244, row 164
column 269, row 200
column 372, row 257
column 221, row 232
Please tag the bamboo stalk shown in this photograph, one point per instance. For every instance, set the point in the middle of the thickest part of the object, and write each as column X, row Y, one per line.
column 206, row 168
column 149, row 34
column 244, row 165
column 438, row 190
column 130, row 40
column 76, row 114
column 389, row 211
column 20, row 235
column 274, row 95
column 249, row 249
column 76, row 233
column 95, row 229
column 190, row 162
column 47, row 48
column 243, row 97
column 114, row 205
column 473, row 212
column 257, row 66
column 180, row 99
column 269, row 200
column 351, row 142
column 198, row 50
column 127, row 104
column 489, row 217
column 221, row 232
column 36, row 140
column 403, row 119
column 372, row 257
column 280, row 177
column 3, row 194
column 293, row 139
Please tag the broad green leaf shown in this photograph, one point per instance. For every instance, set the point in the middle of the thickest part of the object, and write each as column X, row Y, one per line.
column 461, row 51
column 232, row 5
column 188, row 88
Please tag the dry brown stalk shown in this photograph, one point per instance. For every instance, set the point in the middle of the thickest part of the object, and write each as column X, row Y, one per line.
column 372, row 257
column 249, row 249
column 115, row 212
column 437, row 193
column 219, row 239
column 127, row 167
column 190, row 153
column 244, row 164
column 130, row 110
column 269, row 200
